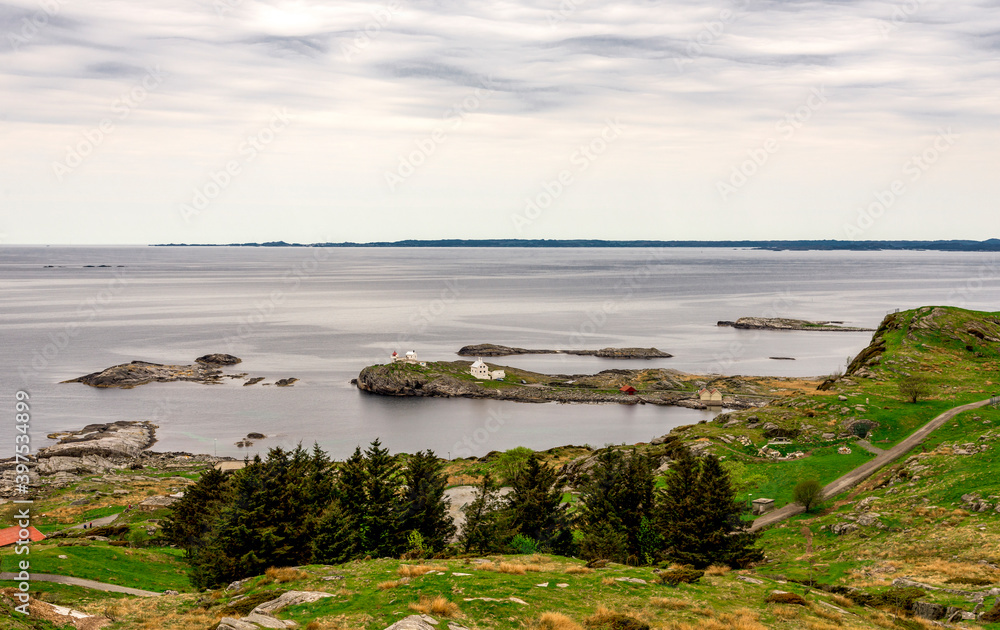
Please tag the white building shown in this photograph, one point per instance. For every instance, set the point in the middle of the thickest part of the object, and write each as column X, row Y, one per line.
column 481, row 370
column 411, row 357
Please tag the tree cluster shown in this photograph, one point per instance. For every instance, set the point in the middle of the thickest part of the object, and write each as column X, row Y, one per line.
column 297, row 507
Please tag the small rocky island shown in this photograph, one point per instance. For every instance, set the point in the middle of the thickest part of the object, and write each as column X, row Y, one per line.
column 657, row 386
column 493, row 350
column 205, row 370
column 781, row 323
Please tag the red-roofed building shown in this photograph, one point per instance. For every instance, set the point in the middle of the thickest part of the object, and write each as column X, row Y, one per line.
column 11, row 535
column 627, row 389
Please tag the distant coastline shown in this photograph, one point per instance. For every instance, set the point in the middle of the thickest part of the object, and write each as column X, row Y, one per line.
column 989, row 245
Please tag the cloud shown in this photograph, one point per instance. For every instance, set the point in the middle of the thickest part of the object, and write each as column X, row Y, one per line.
column 514, row 88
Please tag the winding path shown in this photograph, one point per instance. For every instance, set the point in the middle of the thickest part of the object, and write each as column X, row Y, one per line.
column 72, row 581
column 867, row 469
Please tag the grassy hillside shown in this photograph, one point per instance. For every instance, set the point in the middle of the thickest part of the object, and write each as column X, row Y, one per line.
column 931, row 517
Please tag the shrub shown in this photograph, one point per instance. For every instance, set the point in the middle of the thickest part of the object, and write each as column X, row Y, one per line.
column 439, row 606
column 512, row 568
column 578, row 570
column 786, row 598
column 610, row 620
column 717, row 569
column 523, row 545
column 808, row 492
column 991, row 615
column 556, row 621
column 682, row 575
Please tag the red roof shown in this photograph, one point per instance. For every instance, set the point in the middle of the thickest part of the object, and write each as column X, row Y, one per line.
column 627, row 389
column 10, row 535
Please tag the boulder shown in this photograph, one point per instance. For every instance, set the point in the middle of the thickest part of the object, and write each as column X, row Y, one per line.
column 871, row 519
column 291, row 598
column 218, row 359
column 843, row 528
column 928, row 610
column 413, row 622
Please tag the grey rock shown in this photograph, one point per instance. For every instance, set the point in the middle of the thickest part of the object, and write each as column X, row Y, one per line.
column 928, row 610
column 291, row 598
column 229, row 623
column 843, row 528
column 748, row 579
column 265, row 621
column 871, row 519
column 413, row 622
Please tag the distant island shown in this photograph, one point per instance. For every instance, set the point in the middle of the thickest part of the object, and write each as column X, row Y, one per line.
column 493, row 350
column 989, row 245
column 782, row 323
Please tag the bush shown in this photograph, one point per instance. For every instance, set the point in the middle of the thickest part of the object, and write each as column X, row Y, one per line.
column 605, row 619
column 684, row 575
column 786, row 598
column 808, row 492
column 523, row 545
column 991, row 615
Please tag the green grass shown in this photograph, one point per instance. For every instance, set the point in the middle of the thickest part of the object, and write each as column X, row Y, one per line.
column 153, row 569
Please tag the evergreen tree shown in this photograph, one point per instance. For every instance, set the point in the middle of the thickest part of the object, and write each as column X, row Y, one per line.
column 485, row 524
column 699, row 517
column 383, row 538
column 340, row 532
column 191, row 517
column 424, row 508
column 617, row 507
column 535, row 507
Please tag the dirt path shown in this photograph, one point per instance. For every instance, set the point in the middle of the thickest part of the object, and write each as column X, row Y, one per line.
column 864, row 471
column 72, row 581
column 97, row 522
column 868, row 446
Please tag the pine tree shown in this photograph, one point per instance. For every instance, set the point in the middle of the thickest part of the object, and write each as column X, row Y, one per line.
column 485, row 524
column 191, row 517
column 383, row 537
column 699, row 517
column 535, row 507
column 617, row 507
column 340, row 532
column 424, row 509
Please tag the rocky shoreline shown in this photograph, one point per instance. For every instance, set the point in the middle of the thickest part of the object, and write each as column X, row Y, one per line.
column 651, row 386
column 494, row 350
column 781, row 323
column 205, row 370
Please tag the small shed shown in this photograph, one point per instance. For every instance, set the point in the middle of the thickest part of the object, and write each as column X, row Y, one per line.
column 627, row 389
column 711, row 397
column 762, row 506
column 11, row 535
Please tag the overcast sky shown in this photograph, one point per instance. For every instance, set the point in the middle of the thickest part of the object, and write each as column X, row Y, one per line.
column 244, row 120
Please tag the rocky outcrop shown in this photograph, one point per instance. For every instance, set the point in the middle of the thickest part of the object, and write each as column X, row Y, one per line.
column 129, row 375
column 493, row 350
column 782, row 323
column 219, row 359
column 116, row 439
column 263, row 616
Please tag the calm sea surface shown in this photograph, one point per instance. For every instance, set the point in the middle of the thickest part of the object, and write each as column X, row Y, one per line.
column 323, row 314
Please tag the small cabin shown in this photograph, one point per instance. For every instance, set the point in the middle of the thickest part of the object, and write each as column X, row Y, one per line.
column 627, row 389
column 712, row 397
column 762, row 506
